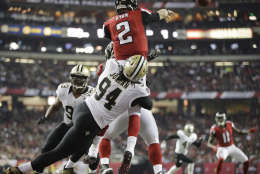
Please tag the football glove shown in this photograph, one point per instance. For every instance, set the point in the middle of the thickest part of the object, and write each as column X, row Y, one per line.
column 100, row 69
column 42, row 120
column 153, row 54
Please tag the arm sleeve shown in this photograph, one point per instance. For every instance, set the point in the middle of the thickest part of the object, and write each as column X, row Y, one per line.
column 197, row 143
column 174, row 136
column 106, row 32
column 144, row 102
column 149, row 17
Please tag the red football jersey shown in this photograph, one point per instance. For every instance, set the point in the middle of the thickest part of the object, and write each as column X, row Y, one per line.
column 128, row 34
column 223, row 135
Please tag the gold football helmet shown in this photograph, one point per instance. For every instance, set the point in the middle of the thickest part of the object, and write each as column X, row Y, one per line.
column 220, row 119
column 189, row 128
column 79, row 77
column 135, row 68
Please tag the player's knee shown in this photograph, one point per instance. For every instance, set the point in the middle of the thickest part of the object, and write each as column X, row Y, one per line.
column 153, row 140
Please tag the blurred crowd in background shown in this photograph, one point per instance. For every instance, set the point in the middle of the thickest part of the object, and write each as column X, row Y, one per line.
column 171, row 77
column 22, row 138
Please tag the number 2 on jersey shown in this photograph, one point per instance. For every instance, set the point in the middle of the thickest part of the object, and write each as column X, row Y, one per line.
column 121, row 35
column 111, row 97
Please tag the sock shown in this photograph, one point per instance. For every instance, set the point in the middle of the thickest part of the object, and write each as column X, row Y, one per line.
column 219, row 164
column 173, row 170
column 105, row 148
column 133, row 125
column 191, row 168
column 26, row 167
column 245, row 167
column 155, row 157
column 69, row 164
column 104, row 161
column 131, row 142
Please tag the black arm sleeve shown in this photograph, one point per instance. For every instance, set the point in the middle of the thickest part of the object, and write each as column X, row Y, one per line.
column 174, row 136
column 150, row 18
column 144, row 102
column 107, row 33
column 197, row 143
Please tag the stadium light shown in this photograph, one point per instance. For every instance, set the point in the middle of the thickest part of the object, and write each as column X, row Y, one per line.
column 43, row 49
column 149, row 32
column 59, row 49
column 77, row 32
column 165, row 33
column 234, row 46
column 213, row 46
column 13, row 46
column 175, row 34
column 254, row 46
column 51, row 100
column 100, row 33
column 193, row 47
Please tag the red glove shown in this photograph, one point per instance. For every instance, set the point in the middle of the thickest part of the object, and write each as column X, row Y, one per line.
column 215, row 149
column 100, row 69
column 252, row 130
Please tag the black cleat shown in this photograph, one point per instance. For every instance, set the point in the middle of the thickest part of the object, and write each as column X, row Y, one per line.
column 125, row 166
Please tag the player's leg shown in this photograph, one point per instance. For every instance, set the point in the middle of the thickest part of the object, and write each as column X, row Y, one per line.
column 240, row 156
column 149, row 133
column 84, row 130
column 191, row 168
column 55, row 137
column 117, row 127
column 176, row 167
column 222, row 155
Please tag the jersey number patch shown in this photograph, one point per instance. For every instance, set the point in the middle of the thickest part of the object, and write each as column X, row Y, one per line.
column 111, row 97
column 226, row 137
column 121, row 36
column 69, row 111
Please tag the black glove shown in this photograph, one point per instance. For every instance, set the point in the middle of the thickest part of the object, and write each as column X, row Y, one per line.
column 153, row 54
column 42, row 120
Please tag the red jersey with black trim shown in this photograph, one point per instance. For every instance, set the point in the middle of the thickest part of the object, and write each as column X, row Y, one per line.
column 128, row 34
column 223, row 135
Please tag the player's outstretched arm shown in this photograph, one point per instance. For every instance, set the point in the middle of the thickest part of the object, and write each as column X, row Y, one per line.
column 241, row 131
column 210, row 143
column 51, row 110
column 174, row 136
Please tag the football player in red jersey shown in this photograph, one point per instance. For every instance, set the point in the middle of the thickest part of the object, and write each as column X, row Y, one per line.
column 127, row 28
column 222, row 131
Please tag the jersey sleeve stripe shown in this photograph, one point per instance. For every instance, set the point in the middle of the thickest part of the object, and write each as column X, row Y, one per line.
column 145, row 10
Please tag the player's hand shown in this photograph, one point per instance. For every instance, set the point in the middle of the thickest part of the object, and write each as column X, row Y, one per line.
column 153, row 54
column 171, row 17
column 42, row 120
column 252, row 130
column 100, row 69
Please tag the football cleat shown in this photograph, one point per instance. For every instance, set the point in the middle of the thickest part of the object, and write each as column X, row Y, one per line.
column 68, row 171
column 92, row 162
column 13, row 170
column 105, row 169
column 125, row 166
column 160, row 172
